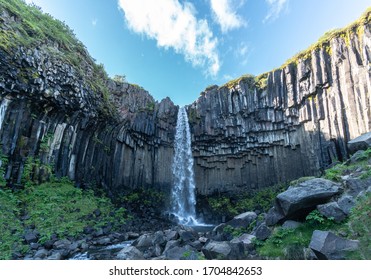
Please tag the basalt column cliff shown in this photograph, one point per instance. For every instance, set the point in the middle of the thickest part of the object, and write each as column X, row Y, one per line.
column 61, row 114
column 291, row 122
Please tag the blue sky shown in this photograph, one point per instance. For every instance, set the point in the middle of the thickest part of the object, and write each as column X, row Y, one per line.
column 177, row 48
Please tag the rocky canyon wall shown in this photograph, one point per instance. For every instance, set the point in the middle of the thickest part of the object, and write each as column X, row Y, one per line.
column 68, row 118
column 52, row 121
column 247, row 136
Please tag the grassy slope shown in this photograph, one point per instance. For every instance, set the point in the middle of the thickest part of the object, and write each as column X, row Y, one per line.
column 52, row 208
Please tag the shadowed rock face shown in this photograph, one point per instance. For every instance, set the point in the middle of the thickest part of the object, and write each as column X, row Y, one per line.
column 243, row 137
column 51, row 113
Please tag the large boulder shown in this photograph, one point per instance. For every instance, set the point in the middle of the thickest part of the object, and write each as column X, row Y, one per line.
column 262, row 232
column 362, row 142
column 182, row 253
column 130, row 253
column 332, row 210
column 298, row 200
column 242, row 220
column 144, row 241
column 224, row 250
column 328, row 246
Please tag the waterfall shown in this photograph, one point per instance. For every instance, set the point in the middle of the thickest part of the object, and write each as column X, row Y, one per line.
column 3, row 108
column 183, row 191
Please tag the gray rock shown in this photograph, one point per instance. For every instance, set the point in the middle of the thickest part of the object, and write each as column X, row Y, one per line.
column 274, row 216
column 262, row 232
column 188, row 235
column 130, row 253
column 31, row 237
column 216, row 249
column 144, row 241
column 171, row 235
column 223, row 250
column 306, row 195
column 328, row 246
column 242, row 220
column 362, row 142
column 41, row 253
column 55, row 256
column 244, row 238
column 354, row 186
column 346, row 203
column 62, row 244
column 171, row 244
column 181, row 253
column 159, row 238
column 104, row 241
column 289, row 224
column 332, row 210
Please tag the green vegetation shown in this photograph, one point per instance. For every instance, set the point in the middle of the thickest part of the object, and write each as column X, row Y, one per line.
column 53, row 208
column 235, row 232
column 120, row 79
column 247, row 78
column 3, row 164
column 323, row 42
column 193, row 117
column 150, row 106
column 359, row 227
column 231, row 206
column 147, row 197
column 362, row 161
column 61, row 208
column 11, row 226
column 33, row 28
column 291, row 243
column 356, row 27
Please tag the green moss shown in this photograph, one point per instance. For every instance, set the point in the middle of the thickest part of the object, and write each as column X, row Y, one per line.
column 324, row 41
column 247, row 78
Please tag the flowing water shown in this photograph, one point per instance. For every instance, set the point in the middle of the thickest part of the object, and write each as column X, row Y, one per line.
column 183, row 192
column 3, row 107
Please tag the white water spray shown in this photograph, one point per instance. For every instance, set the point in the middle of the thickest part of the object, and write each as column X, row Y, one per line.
column 3, row 108
column 183, row 192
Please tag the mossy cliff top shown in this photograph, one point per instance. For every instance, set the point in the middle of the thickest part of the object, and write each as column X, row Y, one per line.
column 323, row 42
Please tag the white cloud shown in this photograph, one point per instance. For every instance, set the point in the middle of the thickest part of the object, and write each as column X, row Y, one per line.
column 242, row 53
column 174, row 25
column 225, row 15
column 94, row 22
column 275, row 8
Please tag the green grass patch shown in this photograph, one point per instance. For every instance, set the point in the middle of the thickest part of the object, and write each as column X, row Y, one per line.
column 291, row 243
column 62, row 209
column 359, row 227
column 11, row 226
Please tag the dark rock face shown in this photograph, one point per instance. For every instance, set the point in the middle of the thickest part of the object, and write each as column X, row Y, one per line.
column 328, row 246
column 59, row 119
column 245, row 137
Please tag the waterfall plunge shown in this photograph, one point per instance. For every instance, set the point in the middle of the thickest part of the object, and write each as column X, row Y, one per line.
column 183, row 192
